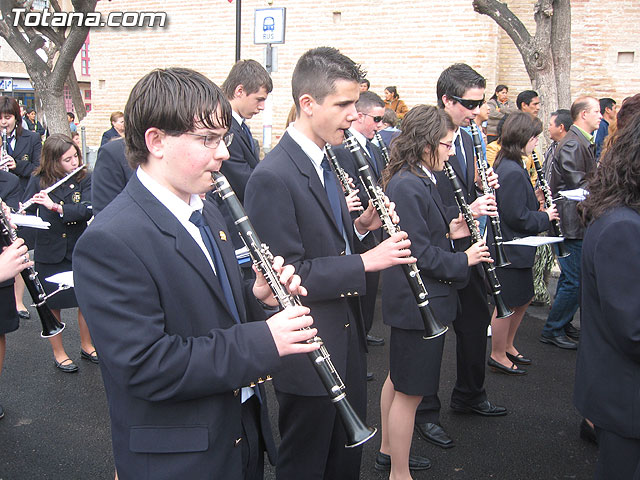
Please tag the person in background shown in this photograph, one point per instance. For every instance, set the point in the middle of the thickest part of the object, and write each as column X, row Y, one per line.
column 393, row 102
column 499, row 105
column 608, row 109
column 365, row 85
column 390, row 130
column 75, row 136
column 607, row 382
column 72, row 125
column 117, row 128
column 32, row 122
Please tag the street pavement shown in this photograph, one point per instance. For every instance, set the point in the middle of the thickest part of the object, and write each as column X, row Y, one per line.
column 57, row 424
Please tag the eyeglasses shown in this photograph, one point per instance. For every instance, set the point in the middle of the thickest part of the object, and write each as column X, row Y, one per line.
column 448, row 145
column 213, row 141
column 377, row 118
column 466, row 103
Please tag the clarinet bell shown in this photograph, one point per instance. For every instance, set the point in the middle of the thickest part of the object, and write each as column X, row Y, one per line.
column 501, row 259
column 432, row 327
column 357, row 432
column 50, row 324
column 502, row 311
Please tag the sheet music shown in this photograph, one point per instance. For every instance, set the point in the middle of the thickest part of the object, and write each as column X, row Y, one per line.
column 32, row 221
column 62, row 278
column 534, row 241
column 579, row 194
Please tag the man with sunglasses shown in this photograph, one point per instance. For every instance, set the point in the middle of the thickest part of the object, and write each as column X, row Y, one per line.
column 460, row 91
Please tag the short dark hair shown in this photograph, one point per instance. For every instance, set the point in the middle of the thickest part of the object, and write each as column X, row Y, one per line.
column 456, row 80
column 365, row 81
column 606, row 103
column 30, row 110
column 70, row 114
column 390, row 117
column 579, row 105
column 176, row 100
column 318, row 69
column 251, row 75
column 368, row 100
column 563, row 117
column 518, row 129
column 525, row 97
column 9, row 106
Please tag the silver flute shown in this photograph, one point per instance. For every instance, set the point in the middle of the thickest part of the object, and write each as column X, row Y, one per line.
column 50, row 189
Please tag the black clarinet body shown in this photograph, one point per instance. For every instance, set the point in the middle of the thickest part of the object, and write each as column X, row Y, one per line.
column 339, row 171
column 383, row 149
column 481, row 161
column 357, row 432
column 432, row 327
column 548, row 201
column 489, row 269
column 50, row 324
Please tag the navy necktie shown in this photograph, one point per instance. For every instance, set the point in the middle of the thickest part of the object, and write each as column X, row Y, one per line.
column 247, row 133
column 461, row 159
column 9, row 147
column 207, row 237
column 374, row 164
column 331, row 187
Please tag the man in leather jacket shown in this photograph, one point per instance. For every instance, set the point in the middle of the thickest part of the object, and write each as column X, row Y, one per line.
column 573, row 161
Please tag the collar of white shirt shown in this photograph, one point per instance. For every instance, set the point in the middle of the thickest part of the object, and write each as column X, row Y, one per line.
column 237, row 116
column 315, row 153
column 431, row 176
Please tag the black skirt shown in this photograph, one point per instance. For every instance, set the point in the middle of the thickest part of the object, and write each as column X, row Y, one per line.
column 64, row 298
column 414, row 363
column 517, row 285
column 9, row 320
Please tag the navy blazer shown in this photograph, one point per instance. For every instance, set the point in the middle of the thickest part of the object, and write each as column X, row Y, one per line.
column 290, row 211
column 171, row 355
column 10, row 190
column 242, row 161
column 607, row 387
column 423, row 216
column 110, row 174
column 519, row 213
column 109, row 135
column 27, row 155
column 58, row 241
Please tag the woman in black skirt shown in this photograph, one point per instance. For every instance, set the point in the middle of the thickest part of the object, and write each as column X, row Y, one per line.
column 521, row 215
column 420, row 150
column 67, row 209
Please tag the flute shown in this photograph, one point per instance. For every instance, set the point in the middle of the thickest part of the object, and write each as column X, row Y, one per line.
column 501, row 257
column 490, row 271
column 432, row 328
column 357, row 431
column 548, row 201
column 383, row 149
column 50, row 324
column 50, row 189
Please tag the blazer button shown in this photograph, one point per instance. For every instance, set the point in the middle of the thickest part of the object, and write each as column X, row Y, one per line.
column 61, row 202
column 346, row 325
column 64, row 235
column 237, row 442
column 446, row 235
column 342, row 295
column 343, row 252
column 236, row 392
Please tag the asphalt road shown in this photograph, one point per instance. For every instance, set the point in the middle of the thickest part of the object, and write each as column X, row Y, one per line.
column 57, row 425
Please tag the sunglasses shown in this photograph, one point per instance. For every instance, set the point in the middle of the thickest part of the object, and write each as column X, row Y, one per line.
column 466, row 103
column 377, row 118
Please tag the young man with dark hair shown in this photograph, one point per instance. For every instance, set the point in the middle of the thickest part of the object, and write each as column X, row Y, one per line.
column 608, row 109
column 167, row 309
column 559, row 124
column 298, row 209
column 528, row 101
column 460, row 91
column 72, row 125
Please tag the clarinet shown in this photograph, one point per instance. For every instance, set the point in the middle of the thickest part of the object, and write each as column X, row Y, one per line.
column 52, row 187
column 501, row 257
column 555, row 224
column 339, row 171
column 4, row 148
column 357, row 432
column 50, row 324
column 432, row 328
column 383, row 149
column 490, row 271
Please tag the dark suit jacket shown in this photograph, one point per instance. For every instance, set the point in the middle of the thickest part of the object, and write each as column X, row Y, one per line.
column 109, row 135
column 10, row 190
column 607, row 387
column 110, row 174
column 519, row 212
column 27, row 155
column 423, row 216
column 171, row 355
column 290, row 211
column 574, row 160
column 57, row 243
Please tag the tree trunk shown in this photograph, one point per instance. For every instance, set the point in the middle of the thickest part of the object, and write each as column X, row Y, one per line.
column 53, row 105
column 76, row 95
column 561, row 50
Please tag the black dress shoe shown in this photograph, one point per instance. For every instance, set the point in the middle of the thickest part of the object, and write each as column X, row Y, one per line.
column 369, row 376
column 374, row 341
column 485, row 408
column 67, row 365
column 572, row 332
column 519, row 359
column 24, row 314
column 92, row 357
column 434, row 433
column 560, row 341
column 500, row 368
column 587, row 432
column 416, row 462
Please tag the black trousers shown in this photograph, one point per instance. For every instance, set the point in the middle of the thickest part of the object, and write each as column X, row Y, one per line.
column 313, row 437
column 470, row 327
column 368, row 302
column 618, row 457
column 253, row 447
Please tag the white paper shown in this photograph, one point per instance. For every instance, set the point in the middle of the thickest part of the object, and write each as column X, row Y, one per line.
column 62, row 278
column 534, row 241
column 32, row 221
column 579, row 194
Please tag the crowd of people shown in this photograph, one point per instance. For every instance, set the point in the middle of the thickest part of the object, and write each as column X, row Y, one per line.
column 158, row 261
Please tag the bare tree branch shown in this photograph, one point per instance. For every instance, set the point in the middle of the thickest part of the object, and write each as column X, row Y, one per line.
column 506, row 19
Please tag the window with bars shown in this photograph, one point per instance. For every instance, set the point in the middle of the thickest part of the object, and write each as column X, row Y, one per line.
column 68, row 101
column 84, row 57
